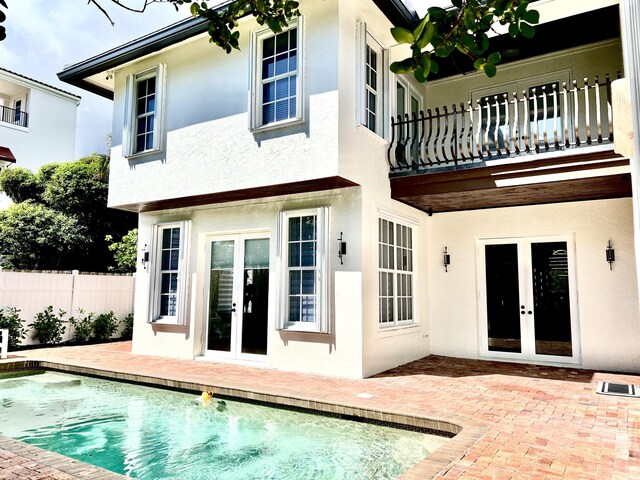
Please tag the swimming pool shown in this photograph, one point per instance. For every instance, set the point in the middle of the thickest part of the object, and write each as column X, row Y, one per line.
column 151, row 433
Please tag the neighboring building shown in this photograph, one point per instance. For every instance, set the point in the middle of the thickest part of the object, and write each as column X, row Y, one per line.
column 250, row 169
column 37, row 121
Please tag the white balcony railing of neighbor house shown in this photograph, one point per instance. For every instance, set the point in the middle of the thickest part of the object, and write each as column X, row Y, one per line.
column 551, row 118
column 14, row 116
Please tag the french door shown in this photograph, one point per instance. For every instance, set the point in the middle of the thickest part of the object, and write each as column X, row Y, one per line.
column 528, row 301
column 238, row 296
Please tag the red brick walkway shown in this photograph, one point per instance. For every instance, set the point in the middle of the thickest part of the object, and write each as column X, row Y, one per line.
column 538, row 422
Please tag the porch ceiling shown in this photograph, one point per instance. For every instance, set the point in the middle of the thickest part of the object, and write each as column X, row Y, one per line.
column 572, row 178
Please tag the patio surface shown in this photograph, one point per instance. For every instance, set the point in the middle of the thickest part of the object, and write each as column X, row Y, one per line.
column 518, row 421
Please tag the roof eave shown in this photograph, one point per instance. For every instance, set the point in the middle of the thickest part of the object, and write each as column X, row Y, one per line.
column 395, row 10
column 76, row 74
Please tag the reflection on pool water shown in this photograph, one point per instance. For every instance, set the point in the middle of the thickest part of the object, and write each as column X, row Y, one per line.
column 151, row 433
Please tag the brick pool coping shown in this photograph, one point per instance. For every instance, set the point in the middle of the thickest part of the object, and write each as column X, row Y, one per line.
column 463, row 431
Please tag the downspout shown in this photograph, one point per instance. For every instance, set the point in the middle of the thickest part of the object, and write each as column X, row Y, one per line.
column 630, row 36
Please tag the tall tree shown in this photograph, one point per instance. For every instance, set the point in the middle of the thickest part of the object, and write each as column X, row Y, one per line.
column 71, row 195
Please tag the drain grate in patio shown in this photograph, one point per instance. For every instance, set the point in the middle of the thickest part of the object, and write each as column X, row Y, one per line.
column 619, row 389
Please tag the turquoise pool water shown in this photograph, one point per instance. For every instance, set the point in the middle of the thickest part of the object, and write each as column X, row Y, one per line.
column 155, row 434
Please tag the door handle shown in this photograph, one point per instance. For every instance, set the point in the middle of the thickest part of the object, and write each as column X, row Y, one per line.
column 233, row 307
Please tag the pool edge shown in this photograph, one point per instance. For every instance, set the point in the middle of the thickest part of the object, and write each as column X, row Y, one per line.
column 466, row 431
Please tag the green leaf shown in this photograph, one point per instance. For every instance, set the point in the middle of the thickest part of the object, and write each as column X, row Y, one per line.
column 527, row 30
column 425, row 62
column 490, row 70
column 420, row 28
column 403, row 66
column 478, row 64
column 531, row 16
column 495, row 57
column 442, row 51
column 457, row 3
column 194, row 9
column 402, row 35
column 420, row 75
column 469, row 19
column 427, row 36
column 514, row 30
column 436, row 14
column 434, row 66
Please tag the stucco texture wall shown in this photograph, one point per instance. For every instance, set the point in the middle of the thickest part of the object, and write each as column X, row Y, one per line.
column 607, row 299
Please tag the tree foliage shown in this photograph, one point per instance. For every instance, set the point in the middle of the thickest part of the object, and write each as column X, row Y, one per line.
column 125, row 252
column 20, row 184
column 36, row 237
column 464, row 28
column 60, row 219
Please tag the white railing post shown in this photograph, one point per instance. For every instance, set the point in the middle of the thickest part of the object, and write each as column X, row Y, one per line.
column 4, row 342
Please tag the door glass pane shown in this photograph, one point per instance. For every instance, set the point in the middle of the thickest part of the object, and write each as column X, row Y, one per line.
column 256, row 296
column 220, row 296
column 552, row 312
column 503, row 297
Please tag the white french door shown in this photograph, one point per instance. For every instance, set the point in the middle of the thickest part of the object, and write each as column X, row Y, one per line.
column 237, row 296
column 528, row 299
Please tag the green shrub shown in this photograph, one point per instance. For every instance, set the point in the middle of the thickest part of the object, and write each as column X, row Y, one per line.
column 82, row 326
column 48, row 328
column 127, row 331
column 105, row 325
column 12, row 321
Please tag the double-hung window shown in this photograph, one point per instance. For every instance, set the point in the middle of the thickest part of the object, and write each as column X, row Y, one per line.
column 169, row 273
column 277, row 77
column 395, row 277
column 371, row 83
column 304, row 264
column 142, row 131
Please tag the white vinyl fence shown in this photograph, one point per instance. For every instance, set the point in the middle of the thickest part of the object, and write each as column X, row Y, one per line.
column 32, row 292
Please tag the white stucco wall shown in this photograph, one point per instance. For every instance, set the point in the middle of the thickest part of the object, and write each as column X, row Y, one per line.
column 51, row 134
column 338, row 353
column 209, row 147
column 363, row 158
column 607, row 300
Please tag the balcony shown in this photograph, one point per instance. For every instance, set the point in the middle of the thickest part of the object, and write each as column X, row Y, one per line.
column 547, row 144
column 14, row 116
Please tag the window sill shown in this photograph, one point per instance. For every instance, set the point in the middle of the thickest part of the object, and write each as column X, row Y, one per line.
column 135, row 156
column 393, row 330
column 277, row 125
column 171, row 323
column 372, row 135
column 295, row 328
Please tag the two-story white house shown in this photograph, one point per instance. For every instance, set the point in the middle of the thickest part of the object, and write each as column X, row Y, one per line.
column 288, row 218
column 37, row 121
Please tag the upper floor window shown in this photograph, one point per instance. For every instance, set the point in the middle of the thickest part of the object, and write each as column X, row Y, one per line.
column 143, row 118
column 371, row 83
column 304, row 257
column 277, row 77
column 408, row 102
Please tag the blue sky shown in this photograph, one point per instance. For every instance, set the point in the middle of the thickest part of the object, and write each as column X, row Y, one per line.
column 45, row 35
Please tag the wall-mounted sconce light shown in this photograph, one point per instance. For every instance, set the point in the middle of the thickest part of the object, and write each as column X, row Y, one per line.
column 145, row 256
column 611, row 255
column 446, row 259
column 342, row 248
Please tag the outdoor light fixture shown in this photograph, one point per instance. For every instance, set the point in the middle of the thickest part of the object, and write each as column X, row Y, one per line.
column 342, row 248
column 611, row 255
column 446, row 260
column 145, row 256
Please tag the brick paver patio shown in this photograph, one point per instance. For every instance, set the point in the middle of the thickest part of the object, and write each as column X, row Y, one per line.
column 518, row 421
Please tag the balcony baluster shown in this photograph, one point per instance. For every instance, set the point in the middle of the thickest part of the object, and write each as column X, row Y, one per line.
column 507, row 126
